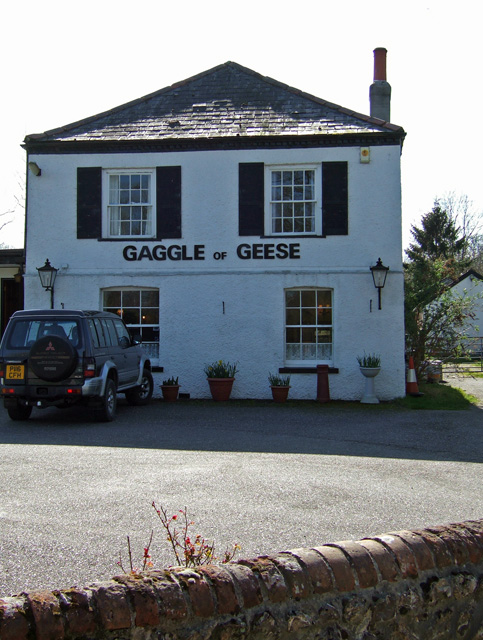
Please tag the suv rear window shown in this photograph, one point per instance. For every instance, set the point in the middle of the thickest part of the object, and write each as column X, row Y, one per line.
column 25, row 332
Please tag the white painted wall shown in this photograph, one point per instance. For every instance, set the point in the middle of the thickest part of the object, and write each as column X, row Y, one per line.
column 193, row 328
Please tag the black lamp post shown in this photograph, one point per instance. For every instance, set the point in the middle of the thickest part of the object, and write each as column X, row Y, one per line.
column 47, row 275
column 379, row 274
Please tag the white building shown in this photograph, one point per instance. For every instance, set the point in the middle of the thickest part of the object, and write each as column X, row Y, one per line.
column 471, row 284
column 232, row 217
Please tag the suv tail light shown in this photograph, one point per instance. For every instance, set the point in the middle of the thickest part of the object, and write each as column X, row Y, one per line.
column 89, row 367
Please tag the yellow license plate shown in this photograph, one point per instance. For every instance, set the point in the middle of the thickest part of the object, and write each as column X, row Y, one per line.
column 15, row 371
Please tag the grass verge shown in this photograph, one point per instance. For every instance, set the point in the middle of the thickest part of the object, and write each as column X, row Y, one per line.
column 440, row 397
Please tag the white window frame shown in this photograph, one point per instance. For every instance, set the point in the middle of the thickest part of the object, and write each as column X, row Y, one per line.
column 106, row 219
column 319, row 358
column 151, row 347
column 317, row 199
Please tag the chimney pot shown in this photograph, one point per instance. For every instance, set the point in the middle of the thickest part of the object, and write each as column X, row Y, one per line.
column 380, row 64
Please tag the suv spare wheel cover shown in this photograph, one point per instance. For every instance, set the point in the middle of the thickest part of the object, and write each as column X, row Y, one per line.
column 52, row 358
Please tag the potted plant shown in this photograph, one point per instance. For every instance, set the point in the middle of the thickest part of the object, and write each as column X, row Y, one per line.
column 280, row 386
column 220, row 376
column 369, row 365
column 170, row 389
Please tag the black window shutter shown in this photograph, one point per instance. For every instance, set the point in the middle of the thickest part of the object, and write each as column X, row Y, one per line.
column 335, row 200
column 168, row 202
column 89, row 202
column 250, row 198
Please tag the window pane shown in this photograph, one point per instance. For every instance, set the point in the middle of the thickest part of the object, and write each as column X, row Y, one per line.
column 308, row 316
column 324, row 335
column 287, row 177
column 293, row 352
column 293, row 335
column 324, row 298
column 112, row 298
column 276, row 177
column 309, row 335
column 150, row 334
column 131, row 316
column 293, row 316
column 324, row 316
column 308, row 298
column 292, row 298
column 150, row 298
column 131, row 298
column 150, row 316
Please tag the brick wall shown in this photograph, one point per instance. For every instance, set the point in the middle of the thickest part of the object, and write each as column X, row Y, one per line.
column 407, row 585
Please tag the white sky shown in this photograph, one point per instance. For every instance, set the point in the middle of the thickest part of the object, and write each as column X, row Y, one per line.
column 64, row 61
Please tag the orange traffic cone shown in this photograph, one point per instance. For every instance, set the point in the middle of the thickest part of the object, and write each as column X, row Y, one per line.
column 412, row 388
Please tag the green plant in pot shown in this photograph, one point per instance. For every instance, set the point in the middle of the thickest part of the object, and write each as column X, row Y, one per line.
column 170, row 389
column 280, row 386
column 220, row 376
column 370, row 365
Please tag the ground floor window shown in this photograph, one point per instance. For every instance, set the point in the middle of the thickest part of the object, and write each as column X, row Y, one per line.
column 139, row 308
column 308, row 325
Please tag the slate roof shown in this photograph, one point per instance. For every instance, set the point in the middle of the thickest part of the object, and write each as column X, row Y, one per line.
column 226, row 102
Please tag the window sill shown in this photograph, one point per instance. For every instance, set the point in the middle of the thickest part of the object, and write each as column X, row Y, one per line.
column 129, row 239
column 305, row 369
column 295, row 235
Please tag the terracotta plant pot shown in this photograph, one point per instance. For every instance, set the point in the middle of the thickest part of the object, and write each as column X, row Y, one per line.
column 279, row 393
column 220, row 388
column 170, row 392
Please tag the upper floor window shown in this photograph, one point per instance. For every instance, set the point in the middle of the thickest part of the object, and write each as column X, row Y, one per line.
column 130, row 204
column 311, row 200
column 115, row 204
column 293, row 201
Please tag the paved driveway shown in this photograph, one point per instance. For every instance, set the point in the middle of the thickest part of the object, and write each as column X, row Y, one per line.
column 271, row 477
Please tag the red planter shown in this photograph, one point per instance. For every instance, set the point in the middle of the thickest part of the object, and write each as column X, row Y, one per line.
column 170, row 392
column 220, row 388
column 279, row 393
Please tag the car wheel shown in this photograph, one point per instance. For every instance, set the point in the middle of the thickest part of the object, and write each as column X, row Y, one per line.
column 20, row 412
column 109, row 402
column 141, row 395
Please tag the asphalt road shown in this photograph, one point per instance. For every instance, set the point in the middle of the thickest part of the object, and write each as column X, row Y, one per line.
column 271, row 477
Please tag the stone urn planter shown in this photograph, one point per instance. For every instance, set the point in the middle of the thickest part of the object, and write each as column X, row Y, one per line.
column 369, row 396
column 369, row 366
column 220, row 388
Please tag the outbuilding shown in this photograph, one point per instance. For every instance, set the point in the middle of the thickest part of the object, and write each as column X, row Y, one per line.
column 230, row 216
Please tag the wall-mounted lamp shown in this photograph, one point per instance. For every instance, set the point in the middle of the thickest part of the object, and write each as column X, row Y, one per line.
column 47, row 275
column 379, row 274
column 35, row 169
column 19, row 275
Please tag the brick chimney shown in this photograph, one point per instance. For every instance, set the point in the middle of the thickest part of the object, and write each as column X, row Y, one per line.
column 380, row 90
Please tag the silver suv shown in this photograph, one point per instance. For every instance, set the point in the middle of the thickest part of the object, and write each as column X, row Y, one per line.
column 61, row 357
